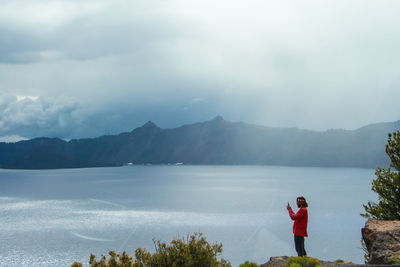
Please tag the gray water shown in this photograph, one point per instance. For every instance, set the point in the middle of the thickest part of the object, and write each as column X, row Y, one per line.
column 56, row 217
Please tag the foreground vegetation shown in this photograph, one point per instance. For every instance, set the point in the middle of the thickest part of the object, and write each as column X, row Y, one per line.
column 302, row 262
column 387, row 185
column 193, row 251
column 181, row 252
column 249, row 264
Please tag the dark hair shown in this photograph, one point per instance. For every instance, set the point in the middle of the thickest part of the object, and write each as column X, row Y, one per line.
column 302, row 201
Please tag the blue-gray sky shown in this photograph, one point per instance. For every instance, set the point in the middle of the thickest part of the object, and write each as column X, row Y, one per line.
column 83, row 68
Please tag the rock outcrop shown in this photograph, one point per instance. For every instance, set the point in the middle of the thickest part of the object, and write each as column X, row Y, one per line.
column 382, row 239
column 281, row 262
column 276, row 262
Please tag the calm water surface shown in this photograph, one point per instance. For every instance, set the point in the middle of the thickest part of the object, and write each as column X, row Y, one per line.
column 56, row 217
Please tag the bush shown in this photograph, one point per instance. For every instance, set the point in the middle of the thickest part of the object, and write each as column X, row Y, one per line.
column 190, row 252
column 395, row 260
column 387, row 185
column 115, row 260
column 249, row 264
column 302, row 262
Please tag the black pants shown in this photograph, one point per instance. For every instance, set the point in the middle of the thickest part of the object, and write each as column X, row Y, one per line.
column 299, row 244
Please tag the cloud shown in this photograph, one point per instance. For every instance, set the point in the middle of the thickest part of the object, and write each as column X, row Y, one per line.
column 310, row 64
column 12, row 138
column 36, row 116
column 78, row 30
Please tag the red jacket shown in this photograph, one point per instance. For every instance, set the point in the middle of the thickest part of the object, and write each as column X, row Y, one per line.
column 300, row 221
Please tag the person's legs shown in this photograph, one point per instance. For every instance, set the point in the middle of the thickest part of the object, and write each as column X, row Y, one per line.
column 299, row 244
column 304, row 250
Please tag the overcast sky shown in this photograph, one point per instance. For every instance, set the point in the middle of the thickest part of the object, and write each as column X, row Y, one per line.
column 85, row 68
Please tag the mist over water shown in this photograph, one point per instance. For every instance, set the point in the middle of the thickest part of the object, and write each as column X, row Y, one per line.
column 56, row 217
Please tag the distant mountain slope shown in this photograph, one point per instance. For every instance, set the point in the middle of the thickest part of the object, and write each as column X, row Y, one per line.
column 211, row 142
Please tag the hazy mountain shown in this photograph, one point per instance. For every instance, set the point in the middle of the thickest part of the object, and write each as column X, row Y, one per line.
column 211, row 142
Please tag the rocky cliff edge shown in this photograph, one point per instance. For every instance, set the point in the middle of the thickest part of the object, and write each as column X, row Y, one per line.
column 382, row 239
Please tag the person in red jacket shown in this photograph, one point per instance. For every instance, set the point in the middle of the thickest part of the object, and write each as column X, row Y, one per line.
column 300, row 224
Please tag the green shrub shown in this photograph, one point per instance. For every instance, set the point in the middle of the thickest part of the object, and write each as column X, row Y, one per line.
column 396, row 260
column 249, row 264
column 302, row 262
column 115, row 260
column 190, row 252
column 387, row 185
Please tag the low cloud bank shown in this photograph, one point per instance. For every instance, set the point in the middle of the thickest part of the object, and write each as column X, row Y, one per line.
column 37, row 116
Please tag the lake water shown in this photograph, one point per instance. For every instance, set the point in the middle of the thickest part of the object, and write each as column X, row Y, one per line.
column 56, row 217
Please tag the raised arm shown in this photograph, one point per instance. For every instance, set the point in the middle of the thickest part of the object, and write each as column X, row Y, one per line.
column 300, row 214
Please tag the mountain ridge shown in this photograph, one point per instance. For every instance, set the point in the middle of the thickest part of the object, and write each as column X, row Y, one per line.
column 216, row 141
